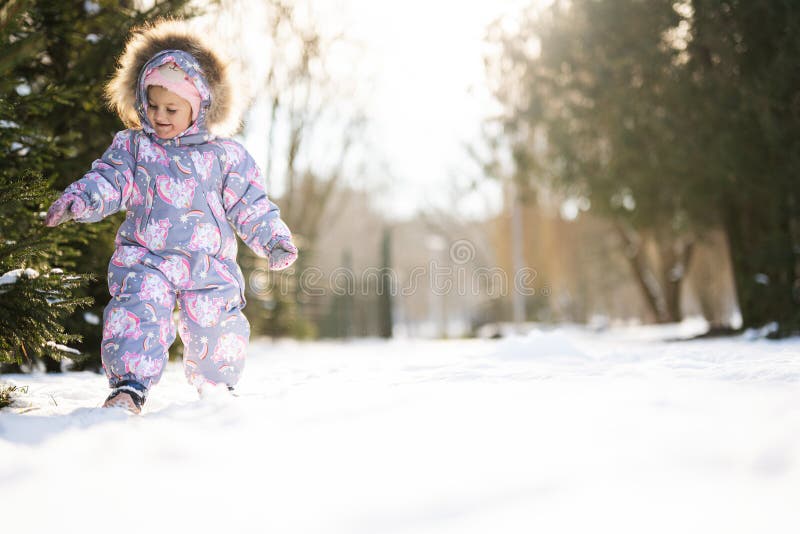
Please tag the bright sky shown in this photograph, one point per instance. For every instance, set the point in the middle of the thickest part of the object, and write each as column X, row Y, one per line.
column 430, row 95
column 423, row 61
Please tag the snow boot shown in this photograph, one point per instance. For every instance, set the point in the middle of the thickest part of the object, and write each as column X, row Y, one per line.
column 129, row 395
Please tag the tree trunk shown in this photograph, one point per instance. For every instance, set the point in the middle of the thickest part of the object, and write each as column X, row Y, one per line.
column 385, row 287
column 645, row 281
column 662, row 294
column 764, row 264
column 675, row 256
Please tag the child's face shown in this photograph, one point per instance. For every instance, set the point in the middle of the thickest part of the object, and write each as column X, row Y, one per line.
column 169, row 113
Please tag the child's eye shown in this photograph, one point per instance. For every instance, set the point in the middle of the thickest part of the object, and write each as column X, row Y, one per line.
column 172, row 110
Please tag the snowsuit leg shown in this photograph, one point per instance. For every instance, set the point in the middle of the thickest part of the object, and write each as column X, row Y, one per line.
column 137, row 323
column 215, row 335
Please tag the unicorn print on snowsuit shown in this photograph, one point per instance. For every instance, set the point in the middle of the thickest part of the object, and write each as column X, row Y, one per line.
column 187, row 194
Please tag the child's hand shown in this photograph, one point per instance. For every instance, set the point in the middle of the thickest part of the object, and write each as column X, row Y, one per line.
column 282, row 255
column 67, row 207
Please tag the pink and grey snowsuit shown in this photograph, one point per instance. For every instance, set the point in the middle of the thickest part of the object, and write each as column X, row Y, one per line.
column 184, row 198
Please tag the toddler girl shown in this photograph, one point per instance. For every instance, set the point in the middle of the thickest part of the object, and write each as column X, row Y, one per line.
column 185, row 191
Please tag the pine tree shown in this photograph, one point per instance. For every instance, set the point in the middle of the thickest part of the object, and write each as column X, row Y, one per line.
column 56, row 57
column 34, row 298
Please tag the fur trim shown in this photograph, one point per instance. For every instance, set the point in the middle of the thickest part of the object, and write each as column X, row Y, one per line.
column 222, row 117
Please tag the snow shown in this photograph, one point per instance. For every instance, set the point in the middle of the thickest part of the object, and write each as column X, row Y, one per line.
column 91, row 8
column 764, row 331
column 11, row 277
column 61, row 347
column 556, row 431
column 23, row 89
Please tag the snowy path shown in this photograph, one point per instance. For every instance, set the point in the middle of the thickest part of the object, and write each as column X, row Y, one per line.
column 554, row 432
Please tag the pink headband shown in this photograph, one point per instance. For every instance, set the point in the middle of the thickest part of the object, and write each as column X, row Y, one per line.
column 171, row 77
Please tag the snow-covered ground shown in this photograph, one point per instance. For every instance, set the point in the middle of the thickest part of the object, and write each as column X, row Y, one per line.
column 562, row 431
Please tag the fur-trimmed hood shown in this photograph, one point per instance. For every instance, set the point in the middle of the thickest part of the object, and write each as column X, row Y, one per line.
column 211, row 76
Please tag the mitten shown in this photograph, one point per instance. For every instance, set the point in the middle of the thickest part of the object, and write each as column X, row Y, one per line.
column 68, row 206
column 282, row 255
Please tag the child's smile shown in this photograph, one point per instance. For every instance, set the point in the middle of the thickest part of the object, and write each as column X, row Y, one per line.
column 169, row 113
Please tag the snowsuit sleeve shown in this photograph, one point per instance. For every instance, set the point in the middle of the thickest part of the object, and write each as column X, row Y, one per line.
column 103, row 189
column 253, row 215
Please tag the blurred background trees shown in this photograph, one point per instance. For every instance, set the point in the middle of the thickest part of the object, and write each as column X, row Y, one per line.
column 309, row 123
column 743, row 60
column 675, row 123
